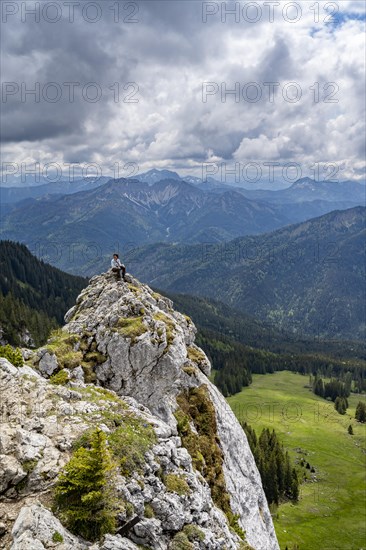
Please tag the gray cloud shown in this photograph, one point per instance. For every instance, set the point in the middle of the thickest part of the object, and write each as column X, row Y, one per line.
column 169, row 54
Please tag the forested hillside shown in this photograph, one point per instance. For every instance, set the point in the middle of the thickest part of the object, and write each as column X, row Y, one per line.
column 307, row 278
column 239, row 346
column 34, row 296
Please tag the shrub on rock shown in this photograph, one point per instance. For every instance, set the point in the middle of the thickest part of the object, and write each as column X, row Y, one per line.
column 85, row 494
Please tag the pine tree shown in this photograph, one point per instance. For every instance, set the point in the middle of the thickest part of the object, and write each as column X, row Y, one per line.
column 278, row 478
column 341, row 405
column 361, row 412
column 84, row 493
column 318, row 387
column 295, row 485
column 350, row 430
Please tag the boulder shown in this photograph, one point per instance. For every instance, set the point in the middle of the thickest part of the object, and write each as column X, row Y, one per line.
column 36, row 526
column 48, row 364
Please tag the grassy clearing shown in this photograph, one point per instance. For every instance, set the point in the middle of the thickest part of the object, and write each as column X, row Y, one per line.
column 331, row 514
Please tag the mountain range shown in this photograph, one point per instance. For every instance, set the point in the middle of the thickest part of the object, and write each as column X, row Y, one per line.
column 306, row 278
column 307, row 189
column 127, row 213
column 11, row 195
column 16, row 188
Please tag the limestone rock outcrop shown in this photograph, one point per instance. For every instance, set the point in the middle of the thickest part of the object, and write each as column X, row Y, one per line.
column 125, row 351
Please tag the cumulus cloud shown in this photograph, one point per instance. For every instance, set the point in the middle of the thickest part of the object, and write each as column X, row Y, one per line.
column 186, row 83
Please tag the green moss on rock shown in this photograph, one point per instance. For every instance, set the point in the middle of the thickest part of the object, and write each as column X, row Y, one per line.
column 149, row 511
column 193, row 533
column 29, row 465
column 60, row 378
column 131, row 327
column 57, row 537
column 191, row 371
column 89, row 373
column 245, row 546
column 62, row 345
column 196, row 407
column 181, row 542
column 169, row 327
column 196, row 355
column 176, row 484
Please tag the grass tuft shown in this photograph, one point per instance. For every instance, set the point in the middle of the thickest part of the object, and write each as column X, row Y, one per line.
column 181, row 542
column 60, row 378
column 169, row 327
column 196, row 355
column 176, row 484
column 193, row 533
column 62, row 343
column 129, row 443
column 57, row 537
column 131, row 327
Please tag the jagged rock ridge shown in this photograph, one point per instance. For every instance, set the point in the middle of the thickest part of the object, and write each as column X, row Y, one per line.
column 129, row 340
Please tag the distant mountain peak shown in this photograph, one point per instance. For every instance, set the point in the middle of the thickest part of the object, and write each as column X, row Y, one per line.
column 305, row 183
column 152, row 176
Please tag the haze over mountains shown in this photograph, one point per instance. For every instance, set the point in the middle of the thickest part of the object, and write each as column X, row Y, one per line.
column 126, row 213
column 13, row 194
column 15, row 188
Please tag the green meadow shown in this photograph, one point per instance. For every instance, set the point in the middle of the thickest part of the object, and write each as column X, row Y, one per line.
column 331, row 513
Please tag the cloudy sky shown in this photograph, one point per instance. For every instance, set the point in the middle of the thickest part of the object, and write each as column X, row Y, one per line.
column 186, row 85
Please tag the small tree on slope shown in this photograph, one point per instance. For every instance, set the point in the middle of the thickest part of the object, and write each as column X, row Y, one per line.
column 84, row 494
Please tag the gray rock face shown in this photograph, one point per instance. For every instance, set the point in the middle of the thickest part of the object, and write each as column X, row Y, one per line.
column 48, row 364
column 151, row 369
column 36, row 441
column 149, row 358
column 242, row 477
column 35, row 527
column 144, row 339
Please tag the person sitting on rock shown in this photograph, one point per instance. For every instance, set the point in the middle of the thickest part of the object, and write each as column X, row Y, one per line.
column 118, row 268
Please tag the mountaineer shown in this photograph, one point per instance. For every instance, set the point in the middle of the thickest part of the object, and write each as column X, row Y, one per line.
column 118, row 268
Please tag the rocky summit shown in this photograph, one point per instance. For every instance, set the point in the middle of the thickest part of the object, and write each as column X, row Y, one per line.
column 126, row 362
